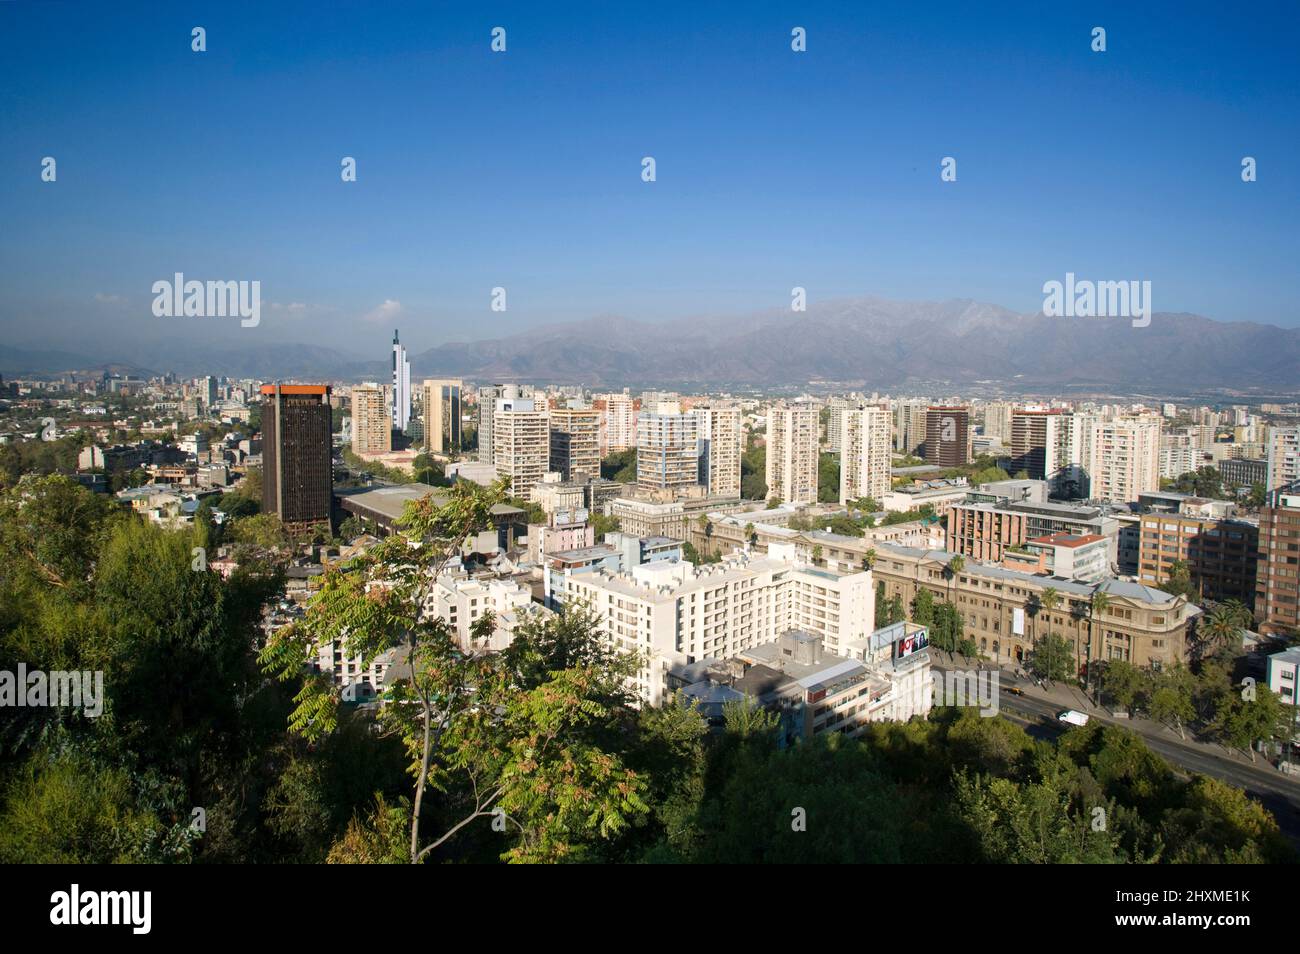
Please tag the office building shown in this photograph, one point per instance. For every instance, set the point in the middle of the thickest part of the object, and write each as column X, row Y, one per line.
column 983, row 530
column 297, row 453
column 792, row 453
column 1243, row 472
column 372, row 425
column 1220, row 554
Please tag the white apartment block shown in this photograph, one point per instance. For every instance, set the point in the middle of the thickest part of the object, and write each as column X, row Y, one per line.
column 865, row 447
column 372, row 426
column 667, row 448
column 1122, row 457
column 792, row 448
column 461, row 601
column 521, row 444
column 835, row 408
column 575, row 442
column 1283, row 456
column 720, row 429
column 674, row 613
column 618, row 417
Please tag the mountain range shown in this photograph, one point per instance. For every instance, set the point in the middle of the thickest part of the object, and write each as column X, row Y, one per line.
column 863, row 342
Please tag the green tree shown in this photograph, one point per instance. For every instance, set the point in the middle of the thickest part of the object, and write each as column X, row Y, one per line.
column 478, row 733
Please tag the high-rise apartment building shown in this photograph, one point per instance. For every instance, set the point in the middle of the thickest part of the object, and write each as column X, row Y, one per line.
column 1046, row 443
column 521, row 444
column 575, row 442
column 865, row 463
column 1121, row 457
column 792, row 449
column 667, row 448
column 909, row 427
column 372, row 425
column 487, row 408
column 719, row 428
column 835, row 408
column 618, row 421
column 442, row 413
column 1277, row 580
column 1283, row 456
column 947, row 436
column 401, row 386
column 997, row 421
column 297, row 453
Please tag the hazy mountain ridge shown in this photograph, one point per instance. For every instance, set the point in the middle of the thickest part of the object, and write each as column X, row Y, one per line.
column 883, row 344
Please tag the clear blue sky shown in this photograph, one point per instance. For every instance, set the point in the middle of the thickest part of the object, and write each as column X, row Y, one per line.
column 522, row 169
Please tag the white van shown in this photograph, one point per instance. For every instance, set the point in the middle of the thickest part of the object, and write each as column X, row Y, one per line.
column 1073, row 717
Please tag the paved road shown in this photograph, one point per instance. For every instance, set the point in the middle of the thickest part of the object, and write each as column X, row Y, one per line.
column 1279, row 793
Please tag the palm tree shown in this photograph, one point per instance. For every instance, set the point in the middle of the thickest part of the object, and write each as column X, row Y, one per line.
column 1222, row 626
column 1032, row 606
column 1100, row 602
column 750, row 535
column 955, row 566
column 1049, row 601
column 869, row 558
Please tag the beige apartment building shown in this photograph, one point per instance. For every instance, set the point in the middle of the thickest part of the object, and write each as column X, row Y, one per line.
column 1122, row 457
column 442, row 412
column 792, row 449
column 372, row 425
column 720, row 431
column 575, row 443
column 521, row 445
column 618, row 415
column 865, row 461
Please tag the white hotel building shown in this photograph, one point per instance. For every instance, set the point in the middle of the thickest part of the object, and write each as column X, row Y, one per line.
column 674, row 613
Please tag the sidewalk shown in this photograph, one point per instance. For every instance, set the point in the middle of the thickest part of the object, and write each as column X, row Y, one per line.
column 1065, row 696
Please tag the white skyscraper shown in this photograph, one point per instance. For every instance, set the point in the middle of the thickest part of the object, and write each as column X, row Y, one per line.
column 792, row 432
column 401, row 386
column 864, row 442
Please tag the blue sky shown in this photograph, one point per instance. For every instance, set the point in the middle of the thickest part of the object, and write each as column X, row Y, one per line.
column 522, row 169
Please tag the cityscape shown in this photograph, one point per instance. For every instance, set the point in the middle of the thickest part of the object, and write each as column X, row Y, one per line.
column 824, row 570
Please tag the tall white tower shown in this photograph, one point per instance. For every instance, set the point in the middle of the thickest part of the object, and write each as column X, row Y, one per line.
column 401, row 386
